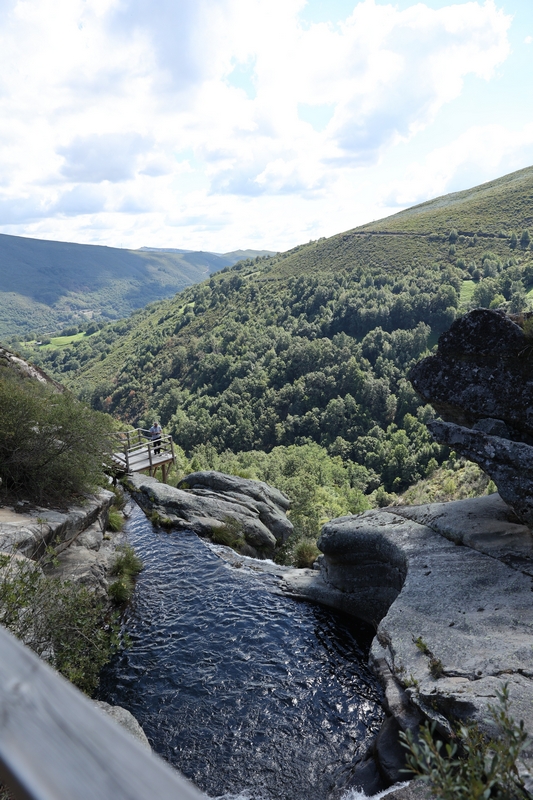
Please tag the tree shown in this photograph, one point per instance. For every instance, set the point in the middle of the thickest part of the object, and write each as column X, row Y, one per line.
column 52, row 447
column 513, row 241
column 525, row 239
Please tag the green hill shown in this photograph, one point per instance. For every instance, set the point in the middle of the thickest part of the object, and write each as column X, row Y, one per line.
column 266, row 361
column 46, row 285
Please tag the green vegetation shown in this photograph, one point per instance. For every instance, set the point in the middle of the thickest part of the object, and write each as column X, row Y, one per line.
column 125, row 567
column 472, row 767
column 456, row 479
column 493, row 210
column 60, row 621
column 320, row 486
column 305, row 552
column 115, row 520
column 51, row 446
column 312, row 349
column 435, row 665
column 230, row 534
column 62, row 341
column 46, row 284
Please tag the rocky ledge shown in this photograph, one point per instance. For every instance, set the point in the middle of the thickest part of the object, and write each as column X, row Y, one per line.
column 224, row 508
column 449, row 587
column 481, row 383
column 83, row 551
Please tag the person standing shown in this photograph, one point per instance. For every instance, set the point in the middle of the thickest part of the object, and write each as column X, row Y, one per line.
column 155, row 434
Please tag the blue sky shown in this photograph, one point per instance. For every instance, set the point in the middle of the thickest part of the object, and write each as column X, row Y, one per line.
column 224, row 124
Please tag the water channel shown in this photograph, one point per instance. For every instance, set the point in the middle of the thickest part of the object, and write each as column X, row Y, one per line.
column 247, row 692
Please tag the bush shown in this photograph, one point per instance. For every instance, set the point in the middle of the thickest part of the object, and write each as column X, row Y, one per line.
column 231, row 534
column 473, row 767
column 127, row 562
column 52, row 447
column 305, row 553
column 126, row 566
column 61, row 622
column 115, row 520
column 121, row 590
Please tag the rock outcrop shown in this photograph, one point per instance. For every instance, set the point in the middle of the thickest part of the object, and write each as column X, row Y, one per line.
column 9, row 360
column 82, row 551
column 32, row 530
column 221, row 507
column 458, row 581
column 126, row 720
column 481, row 383
column 483, row 369
column 509, row 464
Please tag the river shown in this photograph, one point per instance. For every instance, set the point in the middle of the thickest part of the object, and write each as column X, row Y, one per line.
column 247, row 692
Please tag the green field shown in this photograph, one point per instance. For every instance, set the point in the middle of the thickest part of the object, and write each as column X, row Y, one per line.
column 467, row 290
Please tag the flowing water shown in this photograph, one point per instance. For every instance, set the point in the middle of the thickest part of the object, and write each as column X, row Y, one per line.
column 240, row 688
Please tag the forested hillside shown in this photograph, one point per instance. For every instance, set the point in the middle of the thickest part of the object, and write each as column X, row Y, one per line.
column 47, row 285
column 314, row 345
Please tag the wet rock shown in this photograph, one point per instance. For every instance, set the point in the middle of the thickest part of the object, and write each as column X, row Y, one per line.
column 125, row 719
column 415, row 790
column 214, row 504
column 390, row 755
column 366, row 778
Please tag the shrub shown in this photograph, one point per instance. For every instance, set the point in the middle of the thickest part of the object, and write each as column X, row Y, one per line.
column 52, row 447
column 305, row 553
column 231, row 534
column 127, row 562
column 115, row 520
column 121, row 590
column 473, row 767
column 61, row 622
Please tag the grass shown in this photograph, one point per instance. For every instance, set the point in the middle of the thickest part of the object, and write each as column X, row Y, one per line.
column 115, row 521
column 125, row 567
column 493, row 208
column 62, row 341
column 467, row 290
column 457, row 480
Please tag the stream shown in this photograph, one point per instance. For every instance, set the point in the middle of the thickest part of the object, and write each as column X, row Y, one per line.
column 248, row 693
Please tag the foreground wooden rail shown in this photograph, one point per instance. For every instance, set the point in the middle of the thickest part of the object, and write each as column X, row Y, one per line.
column 55, row 745
column 136, row 452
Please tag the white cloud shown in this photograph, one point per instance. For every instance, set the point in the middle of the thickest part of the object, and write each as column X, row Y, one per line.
column 481, row 153
column 101, row 157
column 98, row 99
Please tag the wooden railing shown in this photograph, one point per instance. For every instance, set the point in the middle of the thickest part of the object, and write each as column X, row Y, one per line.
column 135, row 450
column 56, row 745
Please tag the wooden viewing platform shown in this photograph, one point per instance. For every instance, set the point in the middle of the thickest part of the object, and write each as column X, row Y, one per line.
column 137, row 452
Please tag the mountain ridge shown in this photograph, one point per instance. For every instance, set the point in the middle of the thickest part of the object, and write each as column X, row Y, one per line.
column 48, row 284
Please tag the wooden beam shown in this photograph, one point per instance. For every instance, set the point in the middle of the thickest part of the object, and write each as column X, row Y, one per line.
column 55, row 745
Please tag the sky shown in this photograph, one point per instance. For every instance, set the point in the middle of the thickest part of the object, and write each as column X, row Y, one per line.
column 225, row 124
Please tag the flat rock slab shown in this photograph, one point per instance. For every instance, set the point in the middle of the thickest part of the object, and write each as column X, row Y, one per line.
column 31, row 532
column 465, row 598
column 485, row 523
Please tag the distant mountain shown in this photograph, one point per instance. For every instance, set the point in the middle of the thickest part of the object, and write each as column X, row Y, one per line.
column 229, row 258
column 46, row 285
